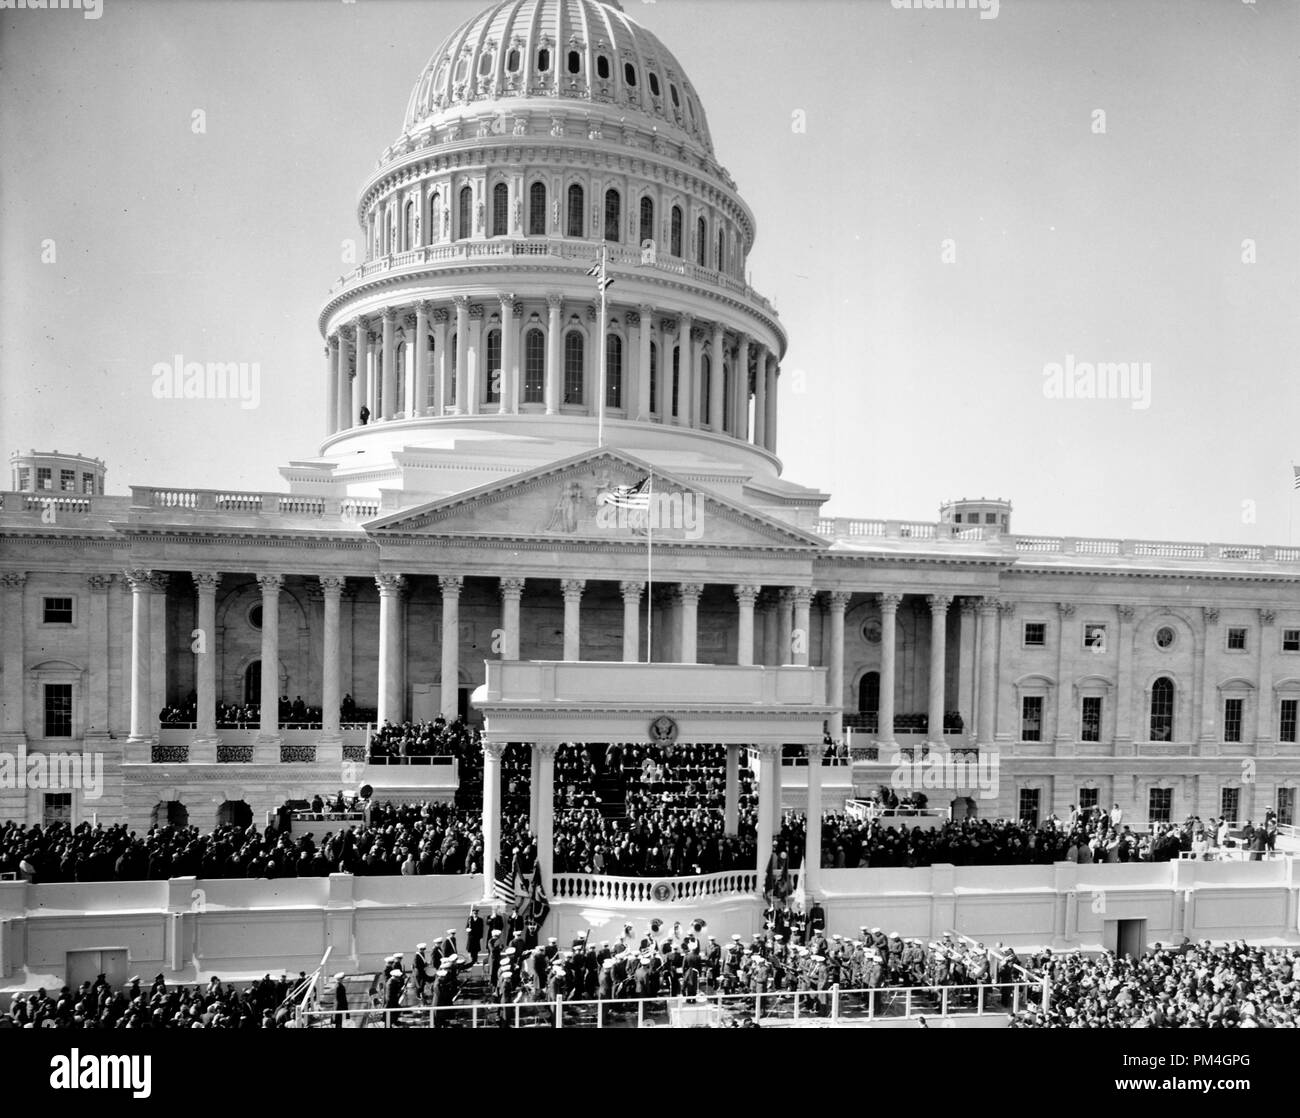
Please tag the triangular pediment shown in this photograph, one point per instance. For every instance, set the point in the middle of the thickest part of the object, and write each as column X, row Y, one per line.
column 593, row 497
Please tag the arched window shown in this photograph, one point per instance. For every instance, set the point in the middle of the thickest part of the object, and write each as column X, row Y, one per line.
column 602, row 67
column 869, row 693
column 654, row 376
column 575, row 62
column 543, row 60
column 701, row 241
column 500, row 209
column 485, row 63
column 675, row 231
column 577, row 212
column 537, row 210
column 726, row 396
column 410, row 224
column 492, row 388
column 462, row 67
column 451, row 379
column 435, row 219
column 722, row 248
column 613, row 215
column 647, row 220
column 253, row 683
column 512, row 61
column 534, row 367
column 573, row 370
column 677, row 369
column 464, row 210
column 654, row 83
column 234, row 813
column 1162, row 709
column 706, row 383
column 629, row 74
column 613, row 371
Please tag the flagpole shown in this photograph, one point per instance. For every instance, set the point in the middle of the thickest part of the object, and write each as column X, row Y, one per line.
column 649, row 566
column 601, row 343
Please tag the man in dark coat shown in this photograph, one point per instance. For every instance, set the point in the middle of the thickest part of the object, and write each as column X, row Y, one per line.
column 473, row 935
column 340, row 1000
column 393, row 996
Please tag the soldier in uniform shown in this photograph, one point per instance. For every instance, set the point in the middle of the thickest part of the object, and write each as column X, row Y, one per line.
column 421, row 972
column 713, row 962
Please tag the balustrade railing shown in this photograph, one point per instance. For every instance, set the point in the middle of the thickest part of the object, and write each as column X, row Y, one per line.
column 650, row 890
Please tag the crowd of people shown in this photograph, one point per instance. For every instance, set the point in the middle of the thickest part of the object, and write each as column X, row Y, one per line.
column 248, row 716
column 1192, row 986
column 438, row 738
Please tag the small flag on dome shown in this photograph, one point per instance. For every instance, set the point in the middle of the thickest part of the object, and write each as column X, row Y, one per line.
column 598, row 270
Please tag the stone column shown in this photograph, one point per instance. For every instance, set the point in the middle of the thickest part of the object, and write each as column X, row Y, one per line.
column 771, row 636
column 534, row 789
column 1124, row 732
column 461, row 388
column 388, row 391
column 390, row 648
column 812, row 850
column 13, row 728
column 966, row 664
column 512, row 591
column 938, row 604
column 988, row 690
column 769, row 799
column 373, row 350
column 269, row 729
column 345, row 414
column 802, row 634
column 451, row 586
column 546, row 815
column 839, row 600
column 760, row 398
column 205, row 663
column 331, row 691
column 889, row 604
column 474, row 360
column 784, row 626
column 1062, row 692
column 492, row 751
column 664, row 371
column 138, row 581
column 717, row 381
column 572, row 588
column 421, row 398
column 441, row 361
column 158, row 583
column 644, row 320
column 360, row 329
column 740, row 426
column 97, row 721
column 331, row 385
column 509, row 382
column 632, row 592
column 745, row 597
column 553, row 368
column 731, row 808
column 690, row 592
column 686, row 374
column 773, row 374
column 1265, row 722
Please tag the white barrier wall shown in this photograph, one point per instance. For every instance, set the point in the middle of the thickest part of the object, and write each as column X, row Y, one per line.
column 241, row 928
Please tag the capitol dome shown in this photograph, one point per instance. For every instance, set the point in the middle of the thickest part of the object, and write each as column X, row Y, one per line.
column 576, row 50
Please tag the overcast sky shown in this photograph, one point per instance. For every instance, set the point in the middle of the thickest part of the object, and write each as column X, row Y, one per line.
column 955, row 219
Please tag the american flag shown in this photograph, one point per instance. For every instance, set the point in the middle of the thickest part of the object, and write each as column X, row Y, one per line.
column 507, row 888
column 631, row 496
column 603, row 281
column 1296, row 471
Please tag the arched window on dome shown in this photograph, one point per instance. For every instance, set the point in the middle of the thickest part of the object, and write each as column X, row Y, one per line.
column 537, row 210
column 602, row 67
column 701, row 241
column 675, row 231
column 647, row 219
column 654, row 83
column 672, row 92
column 412, row 225
column 613, row 215
column 613, row 371
column 534, row 366
column 440, row 79
column 629, row 74
column 485, row 63
column 492, row 385
column 574, row 62
column 706, row 385
column 435, row 219
column 464, row 213
column 462, row 68
column 1162, row 709
column 543, row 60
column 722, row 248
column 500, row 209
column 512, row 61
column 573, row 367
column 654, row 376
column 577, row 211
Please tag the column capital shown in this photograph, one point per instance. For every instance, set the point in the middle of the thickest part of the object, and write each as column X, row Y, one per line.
column 938, row 603
column 573, row 588
column 554, row 300
column 332, row 342
column 389, row 316
column 332, row 585
column 507, row 301
column 1126, row 612
column 425, row 307
column 988, row 606
column 359, row 323
column 802, row 595
column 1267, row 616
column 768, row 751
column 838, row 600
column 646, row 310
column 270, row 584
column 137, row 578
column 690, row 590
column 494, row 749
column 451, row 585
column 1065, row 609
column 1210, row 614
column 747, row 594
column 99, row 583
column 890, row 602
column 785, row 594
column 631, row 590
column 512, row 588
column 969, row 606
column 461, row 303
column 206, row 581
column 546, row 750
column 389, row 584
column 816, row 750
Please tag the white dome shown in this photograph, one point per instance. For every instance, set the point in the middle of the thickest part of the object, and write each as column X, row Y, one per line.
column 576, row 50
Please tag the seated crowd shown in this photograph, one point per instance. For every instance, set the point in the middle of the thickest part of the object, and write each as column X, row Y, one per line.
column 246, row 716
column 1193, row 986
column 438, row 738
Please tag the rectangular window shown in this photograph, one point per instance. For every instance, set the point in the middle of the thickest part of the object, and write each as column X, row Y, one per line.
column 1035, row 634
column 956, row 519
column 58, row 710
column 43, row 478
column 88, row 484
column 1160, row 803
column 1286, row 729
column 1232, row 719
column 68, row 481
column 1286, row 807
column 1229, row 801
column 1094, row 638
column 1090, row 725
column 534, row 367
column 990, row 518
column 24, row 478
column 493, row 387
column 57, row 808
column 1236, row 638
column 1028, row 805
column 56, row 611
column 1031, row 718
column 1291, row 640
column 1088, row 798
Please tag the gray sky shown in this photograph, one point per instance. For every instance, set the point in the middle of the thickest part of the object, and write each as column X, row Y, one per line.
column 908, row 380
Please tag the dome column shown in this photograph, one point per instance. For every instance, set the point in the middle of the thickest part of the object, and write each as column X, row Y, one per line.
column 740, row 380
column 632, row 592
column 769, row 414
column 745, row 597
column 421, row 397
column 643, row 363
column 760, row 398
column 269, row 728
column 462, row 354
column 359, row 377
column 442, row 362
column 388, row 389
column 509, row 373
column 451, row 587
column 474, row 360
column 716, row 380
column 553, row 305
column 686, row 374
column 344, row 415
column 331, row 386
